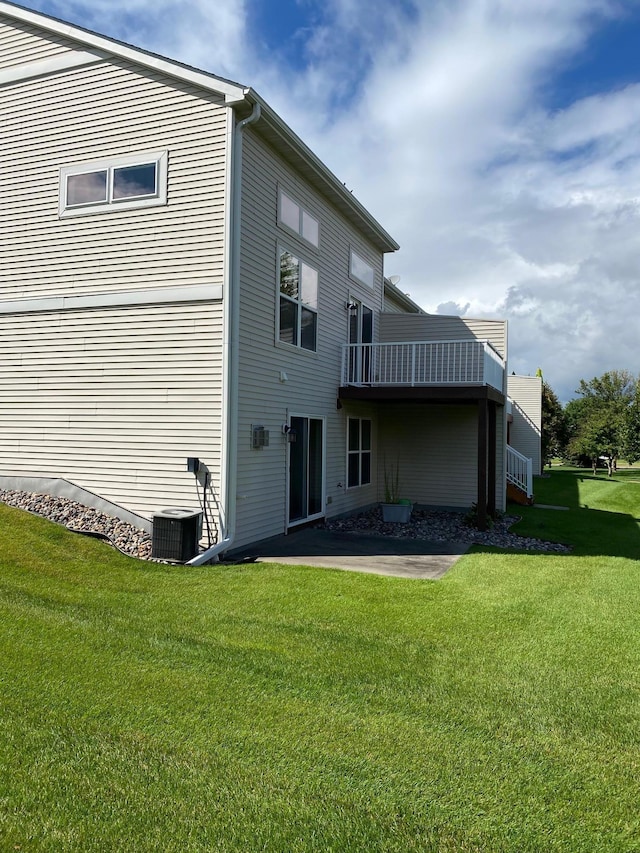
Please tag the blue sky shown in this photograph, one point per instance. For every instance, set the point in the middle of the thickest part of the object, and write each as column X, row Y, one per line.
column 497, row 140
column 609, row 59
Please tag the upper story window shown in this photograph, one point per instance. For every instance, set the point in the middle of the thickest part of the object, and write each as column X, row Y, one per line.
column 298, row 219
column 360, row 269
column 298, row 308
column 139, row 180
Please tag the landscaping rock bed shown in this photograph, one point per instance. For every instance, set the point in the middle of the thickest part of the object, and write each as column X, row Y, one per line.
column 83, row 519
column 436, row 526
column 431, row 525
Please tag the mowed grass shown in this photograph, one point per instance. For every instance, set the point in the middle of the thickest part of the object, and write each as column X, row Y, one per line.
column 275, row 708
column 602, row 516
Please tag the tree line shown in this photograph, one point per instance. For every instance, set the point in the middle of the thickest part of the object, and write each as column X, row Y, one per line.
column 599, row 426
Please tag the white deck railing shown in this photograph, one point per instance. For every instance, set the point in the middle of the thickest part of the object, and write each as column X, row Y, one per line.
column 520, row 471
column 423, row 363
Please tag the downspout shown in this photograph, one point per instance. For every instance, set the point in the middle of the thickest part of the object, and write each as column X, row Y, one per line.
column 231, row 308
column 505, row 391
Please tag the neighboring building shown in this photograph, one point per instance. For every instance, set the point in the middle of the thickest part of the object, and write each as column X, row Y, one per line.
column 524, row 410
column 181, row 277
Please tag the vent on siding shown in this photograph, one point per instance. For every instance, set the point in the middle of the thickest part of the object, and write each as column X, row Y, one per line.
column 259, row 437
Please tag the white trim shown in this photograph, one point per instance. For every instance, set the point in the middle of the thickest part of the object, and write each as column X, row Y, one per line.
column 122, row 298
column 322, row 514
column 110, row 205
column 54, row 65
column 227, row 507
column 232, row 91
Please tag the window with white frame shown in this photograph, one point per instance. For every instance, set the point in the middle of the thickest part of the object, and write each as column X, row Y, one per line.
column 360, row 269
column 298, row 219
column 298, row 302
column 358, row 452
column 120, row 183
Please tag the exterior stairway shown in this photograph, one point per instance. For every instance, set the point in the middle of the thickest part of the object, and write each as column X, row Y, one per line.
column 519, row 477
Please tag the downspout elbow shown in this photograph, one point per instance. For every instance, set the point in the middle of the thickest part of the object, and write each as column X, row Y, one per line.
column 211, row 553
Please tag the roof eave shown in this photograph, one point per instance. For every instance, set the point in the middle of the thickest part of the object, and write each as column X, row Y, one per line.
column 325, row 179
column 232, row 92
column 235, row 95
column 402, row 298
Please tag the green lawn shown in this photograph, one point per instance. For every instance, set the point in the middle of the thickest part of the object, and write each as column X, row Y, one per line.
column 273, row 708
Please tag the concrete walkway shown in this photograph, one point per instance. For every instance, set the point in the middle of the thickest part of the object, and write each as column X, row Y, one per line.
column 358, row 552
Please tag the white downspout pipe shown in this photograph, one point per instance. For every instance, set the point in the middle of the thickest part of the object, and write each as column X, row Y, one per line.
column 231, row 308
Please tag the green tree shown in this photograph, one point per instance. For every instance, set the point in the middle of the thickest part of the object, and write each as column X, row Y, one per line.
column 631, row 430
column 598, row 420
column 615, row 388
column 554, row 425
column 597, row 436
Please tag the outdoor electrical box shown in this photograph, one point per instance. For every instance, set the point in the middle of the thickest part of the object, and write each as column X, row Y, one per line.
column 176, row 533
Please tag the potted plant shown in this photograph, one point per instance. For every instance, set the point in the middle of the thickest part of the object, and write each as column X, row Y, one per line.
column 394, row 509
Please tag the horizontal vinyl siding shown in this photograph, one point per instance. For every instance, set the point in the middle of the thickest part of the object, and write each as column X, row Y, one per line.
column 96, row 113
column 525, row 432
column 420, row 327
column 20, row 43
column 392, row 307
column 312, row 378
column 113, row 400
column 436, row 450
column 396, row 303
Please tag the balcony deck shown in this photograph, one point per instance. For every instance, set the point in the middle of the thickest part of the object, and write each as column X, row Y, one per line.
column 434, row 371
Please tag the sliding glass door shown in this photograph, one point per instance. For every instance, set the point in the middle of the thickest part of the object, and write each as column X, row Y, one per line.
column 306, row 469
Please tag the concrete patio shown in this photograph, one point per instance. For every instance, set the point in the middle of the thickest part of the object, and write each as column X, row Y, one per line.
column 358, row 552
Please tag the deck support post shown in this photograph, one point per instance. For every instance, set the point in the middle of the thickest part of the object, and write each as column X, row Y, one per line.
column 483, row 408
column 491, row 467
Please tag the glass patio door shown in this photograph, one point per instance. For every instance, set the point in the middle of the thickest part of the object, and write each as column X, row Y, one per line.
column 306, row 469
column 360, row 332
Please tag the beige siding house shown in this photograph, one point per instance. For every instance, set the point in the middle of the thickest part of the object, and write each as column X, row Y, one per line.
column 524, row 415
column 181, row 277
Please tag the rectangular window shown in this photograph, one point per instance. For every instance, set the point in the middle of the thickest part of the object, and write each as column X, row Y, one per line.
column 88, row 188
column 135, row 181
column 298, row 285
column 360, row 269
column 299, row 220
column 358, row 452
column 139, row 180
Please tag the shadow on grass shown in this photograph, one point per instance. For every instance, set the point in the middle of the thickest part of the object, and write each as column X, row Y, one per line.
column 601, row 518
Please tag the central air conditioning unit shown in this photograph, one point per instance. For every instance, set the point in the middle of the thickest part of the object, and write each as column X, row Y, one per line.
column 176, row 533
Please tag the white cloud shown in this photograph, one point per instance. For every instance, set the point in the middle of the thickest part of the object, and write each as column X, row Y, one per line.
column 503, row 208
column 207, row 35
column 596, row 120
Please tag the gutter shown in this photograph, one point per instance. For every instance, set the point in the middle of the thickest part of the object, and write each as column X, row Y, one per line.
column 231, row 308
column 404, row 299
column 319, row 174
